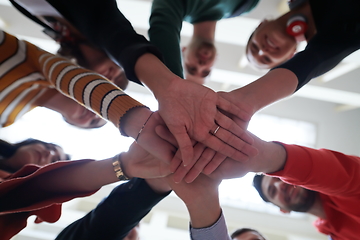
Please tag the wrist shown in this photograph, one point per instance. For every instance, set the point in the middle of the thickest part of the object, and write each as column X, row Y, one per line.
column 134, row 120
column 154, row 74
column 272, row 157
column 158, row 185
column 119, row 168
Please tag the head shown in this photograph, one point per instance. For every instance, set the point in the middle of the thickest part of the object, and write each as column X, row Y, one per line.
column 286, row 196
column 74, row 46
column 198, row 59
column 270, row 45
column 74, row 113
column 82, row 117
column 31, row 151
column 133, row 234
column 247, row 234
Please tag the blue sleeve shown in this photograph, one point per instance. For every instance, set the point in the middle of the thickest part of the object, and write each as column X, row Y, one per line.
column 116, row 215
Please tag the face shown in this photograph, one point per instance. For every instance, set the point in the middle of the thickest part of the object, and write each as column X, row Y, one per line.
column 270, row 45
column 250, row 235
column 79, row 116
column 37, row 153
column 199, row 58
column 286, row 196
column 133, row 234
column 99, row 62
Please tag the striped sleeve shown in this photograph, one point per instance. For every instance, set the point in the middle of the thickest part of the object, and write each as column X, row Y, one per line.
column 88, row 88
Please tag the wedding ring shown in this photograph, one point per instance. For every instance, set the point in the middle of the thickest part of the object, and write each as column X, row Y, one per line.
column 217, row 129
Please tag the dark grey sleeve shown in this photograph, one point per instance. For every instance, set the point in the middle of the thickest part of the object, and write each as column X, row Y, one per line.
column 116, row 215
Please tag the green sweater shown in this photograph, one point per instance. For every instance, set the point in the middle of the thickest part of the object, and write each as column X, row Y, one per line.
column 167, row 17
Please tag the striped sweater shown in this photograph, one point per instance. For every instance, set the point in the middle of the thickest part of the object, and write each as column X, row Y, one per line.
column 30, row 76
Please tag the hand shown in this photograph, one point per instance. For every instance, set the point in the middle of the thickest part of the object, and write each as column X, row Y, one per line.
column 236, row 99
column 206, row 160
column 139, row 163
column 271, row 158
column 148, row 139
column 192, row 111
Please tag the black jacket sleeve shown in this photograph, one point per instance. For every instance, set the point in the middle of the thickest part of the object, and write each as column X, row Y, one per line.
column 102, row 23
column 116, row 215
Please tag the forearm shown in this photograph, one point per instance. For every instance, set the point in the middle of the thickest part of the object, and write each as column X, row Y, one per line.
column 204, row 212
column 92, row 90
column 273, row 86
column 154, row 74
column 60, row 181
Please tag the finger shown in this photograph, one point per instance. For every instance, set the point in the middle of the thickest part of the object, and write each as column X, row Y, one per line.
column 184, row 142
column 228, row 124
column 214, row 164
column 163, row 132
column 235, row 142
column 229, row 107
column 227, row 150
column 175, row 163
column 181, row 171
column 195, row 171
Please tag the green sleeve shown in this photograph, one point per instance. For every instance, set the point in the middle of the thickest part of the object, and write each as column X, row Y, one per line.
column 165, row 27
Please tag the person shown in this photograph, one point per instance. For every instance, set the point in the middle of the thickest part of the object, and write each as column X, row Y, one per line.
column 78, row 178
column 246, row 234
column 199, row 55
column 75, row 46
column 43, row 75
column 118, row 215
column 189, row 110
column 329, row 40
column 13, row 156
column 290, row 169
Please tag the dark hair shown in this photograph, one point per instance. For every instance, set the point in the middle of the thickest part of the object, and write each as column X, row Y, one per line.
column 240, row 231
column 72, row 51
column 7, row 149
column 257, row 184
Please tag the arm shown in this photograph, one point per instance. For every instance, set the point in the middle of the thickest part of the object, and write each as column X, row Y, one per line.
column 189, row 110
column 165, row 26
column 117, row 214
column 62, row 181
column 202, row 201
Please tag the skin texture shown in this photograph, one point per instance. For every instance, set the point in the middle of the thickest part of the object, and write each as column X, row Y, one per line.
column 200, row 54
column 198, row 57
column 74, row 113
column 191, row 111
column 99, row 62
column 37, row 153
column 287, row 197
column 270, row 45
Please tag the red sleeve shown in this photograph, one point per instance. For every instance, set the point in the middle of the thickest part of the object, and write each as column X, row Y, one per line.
column 12, row 221
column 322, row 170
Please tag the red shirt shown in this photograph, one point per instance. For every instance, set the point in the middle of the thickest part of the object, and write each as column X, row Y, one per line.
column 336, row 177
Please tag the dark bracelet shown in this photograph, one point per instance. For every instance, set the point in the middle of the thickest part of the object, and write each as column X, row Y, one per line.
column 118, row 169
